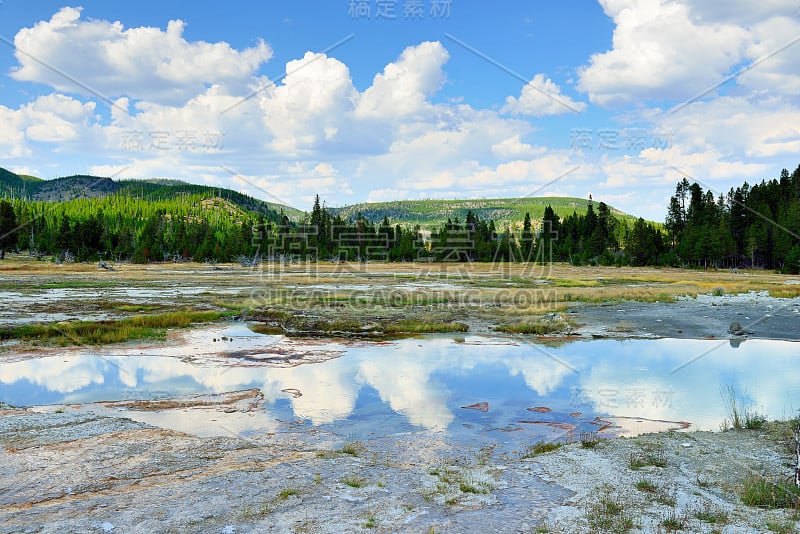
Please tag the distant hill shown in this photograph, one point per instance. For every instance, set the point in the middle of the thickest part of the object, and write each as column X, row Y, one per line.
column 11, row 183
column 504, row 211
column 429, row 214
column 85, row 187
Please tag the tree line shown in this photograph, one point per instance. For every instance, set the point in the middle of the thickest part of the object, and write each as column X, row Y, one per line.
column 752, row 226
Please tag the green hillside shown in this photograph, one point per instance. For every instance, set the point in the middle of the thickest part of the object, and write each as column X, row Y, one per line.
column 14, row 184
column 504, row 211
column 428, row 214
column 159, row 189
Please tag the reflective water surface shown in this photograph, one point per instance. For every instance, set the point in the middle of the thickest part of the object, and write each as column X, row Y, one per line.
column 476, row 387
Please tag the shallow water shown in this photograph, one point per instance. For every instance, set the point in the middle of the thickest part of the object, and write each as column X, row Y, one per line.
column 47, row 305
column 362, row 389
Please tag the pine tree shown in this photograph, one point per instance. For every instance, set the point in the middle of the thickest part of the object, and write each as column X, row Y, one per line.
column 526, row 239
column 8, row 227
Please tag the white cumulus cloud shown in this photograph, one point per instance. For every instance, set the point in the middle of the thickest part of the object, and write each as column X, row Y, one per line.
column 540, row 97
column 405, row 85
column 96, row 57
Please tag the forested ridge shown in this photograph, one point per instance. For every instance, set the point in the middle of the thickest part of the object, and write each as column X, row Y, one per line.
column 751, row 226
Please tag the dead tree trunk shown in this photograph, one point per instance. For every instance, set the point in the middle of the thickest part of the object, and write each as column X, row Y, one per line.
column 797, row 455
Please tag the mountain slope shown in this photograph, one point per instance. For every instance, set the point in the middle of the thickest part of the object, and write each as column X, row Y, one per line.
column 429, row 214
column 504, row 211
column 86, row 187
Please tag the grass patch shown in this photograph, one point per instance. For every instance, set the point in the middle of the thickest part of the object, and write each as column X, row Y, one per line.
column 739, row 417
column 466, row 487
column 758, row 491
column 589, row 443
column 110, row 331
column 608, row 514
column 423, row 327
column 288, row 492
column 551, row 323
column 754, row 421
column 542, row 447
column 646, row 486
column 715, row 516
column 454, row 482
column 780, row 527
column 354, row 448
column 299, row 325
column 354, row 482
column 649, row 458
column 785, row 293
column 673, row 522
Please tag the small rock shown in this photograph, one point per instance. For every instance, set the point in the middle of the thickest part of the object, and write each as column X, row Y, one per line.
column 736, row 329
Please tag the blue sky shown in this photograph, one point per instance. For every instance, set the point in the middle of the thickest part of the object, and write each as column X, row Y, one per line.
column 619, row 98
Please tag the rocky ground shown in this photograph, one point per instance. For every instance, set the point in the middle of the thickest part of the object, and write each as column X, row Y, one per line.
column 75, row 471
column 694, row 486
column 748, row 315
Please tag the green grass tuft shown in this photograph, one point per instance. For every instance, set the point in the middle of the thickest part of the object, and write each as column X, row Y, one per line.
column 651, row 458
column 111, row 331
column 354, row 482
column 781, row 527
column 466, row 487
column 423, row 327
column 288, row 492
column 646, row 486
column 758, row 491
column 542, row 447
column 354, row 448
column 714, row 516
column 673, row 522
column 608, row 514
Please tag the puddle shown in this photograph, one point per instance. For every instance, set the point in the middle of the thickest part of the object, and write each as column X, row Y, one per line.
column 481, row 389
